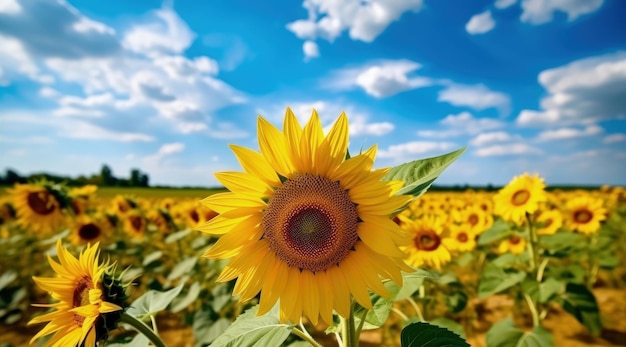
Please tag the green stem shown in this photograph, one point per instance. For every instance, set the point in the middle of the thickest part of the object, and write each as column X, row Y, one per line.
column 532, row 245
column 533, row 310
column 594, row 266
column 142, row 328
column 417, row 309
column 348, row 330
column 305, row 336
column 400, row 313
column 542, row 269
column 361, row 323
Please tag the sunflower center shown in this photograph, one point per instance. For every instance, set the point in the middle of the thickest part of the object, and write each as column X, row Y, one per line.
column 194, row 216
column 520, row 197
column 136, row 222
column 80, row 297
column 583, row 216
column 427, row 240
column 549, row 222
column 514, row 240
column 41, row 202
column 89, row 232
column 311, row 223
column 473, row 219
column 462, row 237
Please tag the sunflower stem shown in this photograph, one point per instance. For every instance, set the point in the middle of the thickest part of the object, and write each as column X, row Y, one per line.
column 348, row 330
column 532, row 245
column 535, row 268
column 533, row 310
column 142, row 328
column 594, row 266
column 306, row 337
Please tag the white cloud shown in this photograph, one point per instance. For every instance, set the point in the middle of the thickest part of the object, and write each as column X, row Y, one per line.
column 86, row 131
column 491, row 137
column 364, row 20
column 614, row 138
column 379, row 79
column 460, row 124
column 359, row 126
column 168, row 34
column 414, row 147
column 310, row 49
column 477, row 96
column 502, row 4
column 10, row 7
column 569, row 133
column 506, row 150
column 480, row 23
column 542, row 11
column 582, row 92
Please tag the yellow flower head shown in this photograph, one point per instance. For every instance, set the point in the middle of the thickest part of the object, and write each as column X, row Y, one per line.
column 305, row 225
column 135, row 225
column 584, row 214
column 82, row 300
column 551, row 221
column 513, row 244
column 462, row 238
column 426, row 242
column 87, row 229
column 38, row 209
column 522, row 195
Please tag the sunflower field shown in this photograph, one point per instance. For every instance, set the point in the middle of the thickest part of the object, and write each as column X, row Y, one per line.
column 310, row 249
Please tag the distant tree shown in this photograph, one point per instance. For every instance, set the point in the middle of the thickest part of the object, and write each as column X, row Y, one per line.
column 144, row 180
column 106, row 175
column 135, row 174
column 11, row 177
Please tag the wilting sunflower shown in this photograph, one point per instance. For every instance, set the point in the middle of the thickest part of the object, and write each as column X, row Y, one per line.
column 304, row 224
column 38, row 209
column 427, row 246
column 584, row 214
column 550, row 221
column 87, row 309
column 522, row 195
column 513, row 244
column 87, row 229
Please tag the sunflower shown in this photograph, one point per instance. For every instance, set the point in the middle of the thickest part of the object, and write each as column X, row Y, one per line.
column 584, row 214
column 81, row 198
column 305, row 225
column 462, row 238
column 88, row 229
column 472, row 216
column 38, row 209
column 135, row 224
column 513, row 244
column 522, row 195
column 87, row 309
column 550, row 221
column 427, row 246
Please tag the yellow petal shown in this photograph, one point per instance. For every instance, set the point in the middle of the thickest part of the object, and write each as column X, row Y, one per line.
column 254, row 163
column 242, row 182
column 310, row 293
column 233, row 204
column 356, row 283
column 354, row 170
column 338, row 139
column 273, row 145
column 326, row 295
column 312, row 137
column 378, row 240
column 341, row 291
column 293, row 133
column 273, row 286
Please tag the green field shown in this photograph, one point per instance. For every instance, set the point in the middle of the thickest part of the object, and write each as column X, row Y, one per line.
column 109, row 192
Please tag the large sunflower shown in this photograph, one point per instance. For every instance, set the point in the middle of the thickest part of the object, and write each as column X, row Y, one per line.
column 83, row 313
column 584, row 214
column 88, row 229
column 305, row 225
column 38, row 209
column 522, row 195
column 427, row 246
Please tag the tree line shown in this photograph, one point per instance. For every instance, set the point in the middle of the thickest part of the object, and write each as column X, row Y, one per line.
column 104, row 178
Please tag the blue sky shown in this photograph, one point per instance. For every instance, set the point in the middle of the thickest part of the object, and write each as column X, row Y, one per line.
column 528, row 85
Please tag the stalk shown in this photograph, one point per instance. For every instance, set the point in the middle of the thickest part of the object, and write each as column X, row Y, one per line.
column 142, row 328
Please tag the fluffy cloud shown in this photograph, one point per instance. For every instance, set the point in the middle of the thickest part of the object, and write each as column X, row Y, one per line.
column 491, row 137
column 364, row 20
column 310, row 49
column 542, row 11
column 506, row 150
column 501, row 4
column 163, row 152
column 414, row 147
column 141, row 79
column 582, row 92
column 480, row 23
column 477, row 96
column 569, row 133
column 462, row 124
column 379, row 79
column 614, row 138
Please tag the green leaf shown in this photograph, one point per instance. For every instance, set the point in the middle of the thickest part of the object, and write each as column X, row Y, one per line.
column 456, row 301
column 139, row 340
column 377, row 316
column 450, row 325
column 411, row 282
column 549, row 288
column 252, row 330
column 581, row 303
column 205, row 330
column 425, row 334
column 499, row 230
column 152, row 302
column 179, row 235
column 192, row 295
column 562, row 243
column 494, row 280
column 182, row 268
column 7, row 278
column 420, row 174
column 506, row 334
column 152, row 257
